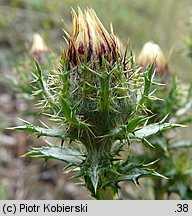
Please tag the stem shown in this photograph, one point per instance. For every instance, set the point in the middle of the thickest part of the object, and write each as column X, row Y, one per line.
column 159, row 193
column 105, row 194
column 95, row 167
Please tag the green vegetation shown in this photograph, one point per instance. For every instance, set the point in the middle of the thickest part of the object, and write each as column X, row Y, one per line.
column 97, row 111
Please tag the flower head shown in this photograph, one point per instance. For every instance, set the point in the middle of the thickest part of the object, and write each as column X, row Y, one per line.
column 89, row 40
column 152, row 53
column 38, row 48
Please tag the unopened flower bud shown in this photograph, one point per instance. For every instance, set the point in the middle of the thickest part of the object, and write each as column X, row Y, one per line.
column 150, row 54
column 38, row 48
column 89, row 40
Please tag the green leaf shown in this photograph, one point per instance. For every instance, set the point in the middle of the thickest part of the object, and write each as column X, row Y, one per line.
column 45, row 89
column 181, row 144
column 105, row 91
column 132, row 59
column 55, row 152
column 153, row 129
column 90, row 170
column 136, row 173
column 38, row 69
column 94, row 174
column 132, row 172
column 39, row 131
column 68, row 111
column 134, row 123
column 148, row 80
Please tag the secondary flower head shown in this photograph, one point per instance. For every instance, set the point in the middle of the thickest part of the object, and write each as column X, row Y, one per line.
column 152, row 53
column 89, row 40
column 38, row 48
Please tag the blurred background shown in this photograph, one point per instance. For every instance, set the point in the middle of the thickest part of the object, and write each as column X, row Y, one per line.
column 167, row 23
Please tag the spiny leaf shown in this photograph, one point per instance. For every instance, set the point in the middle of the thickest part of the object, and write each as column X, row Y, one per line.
column 136, row 173
column 122, row 132
column 55, row 152
column 132, row 172
column 94, row 174
column 44, row 88
column 39, row 131
column 152, row 129
column 68, row 111
column 134, row 123
column 91, row 171
column 132, row 59
column 105, row 91
column 148, row 79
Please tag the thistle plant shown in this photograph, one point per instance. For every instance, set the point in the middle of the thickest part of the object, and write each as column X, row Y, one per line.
column 173, row 151
column 22, row 79
column 96, row 101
